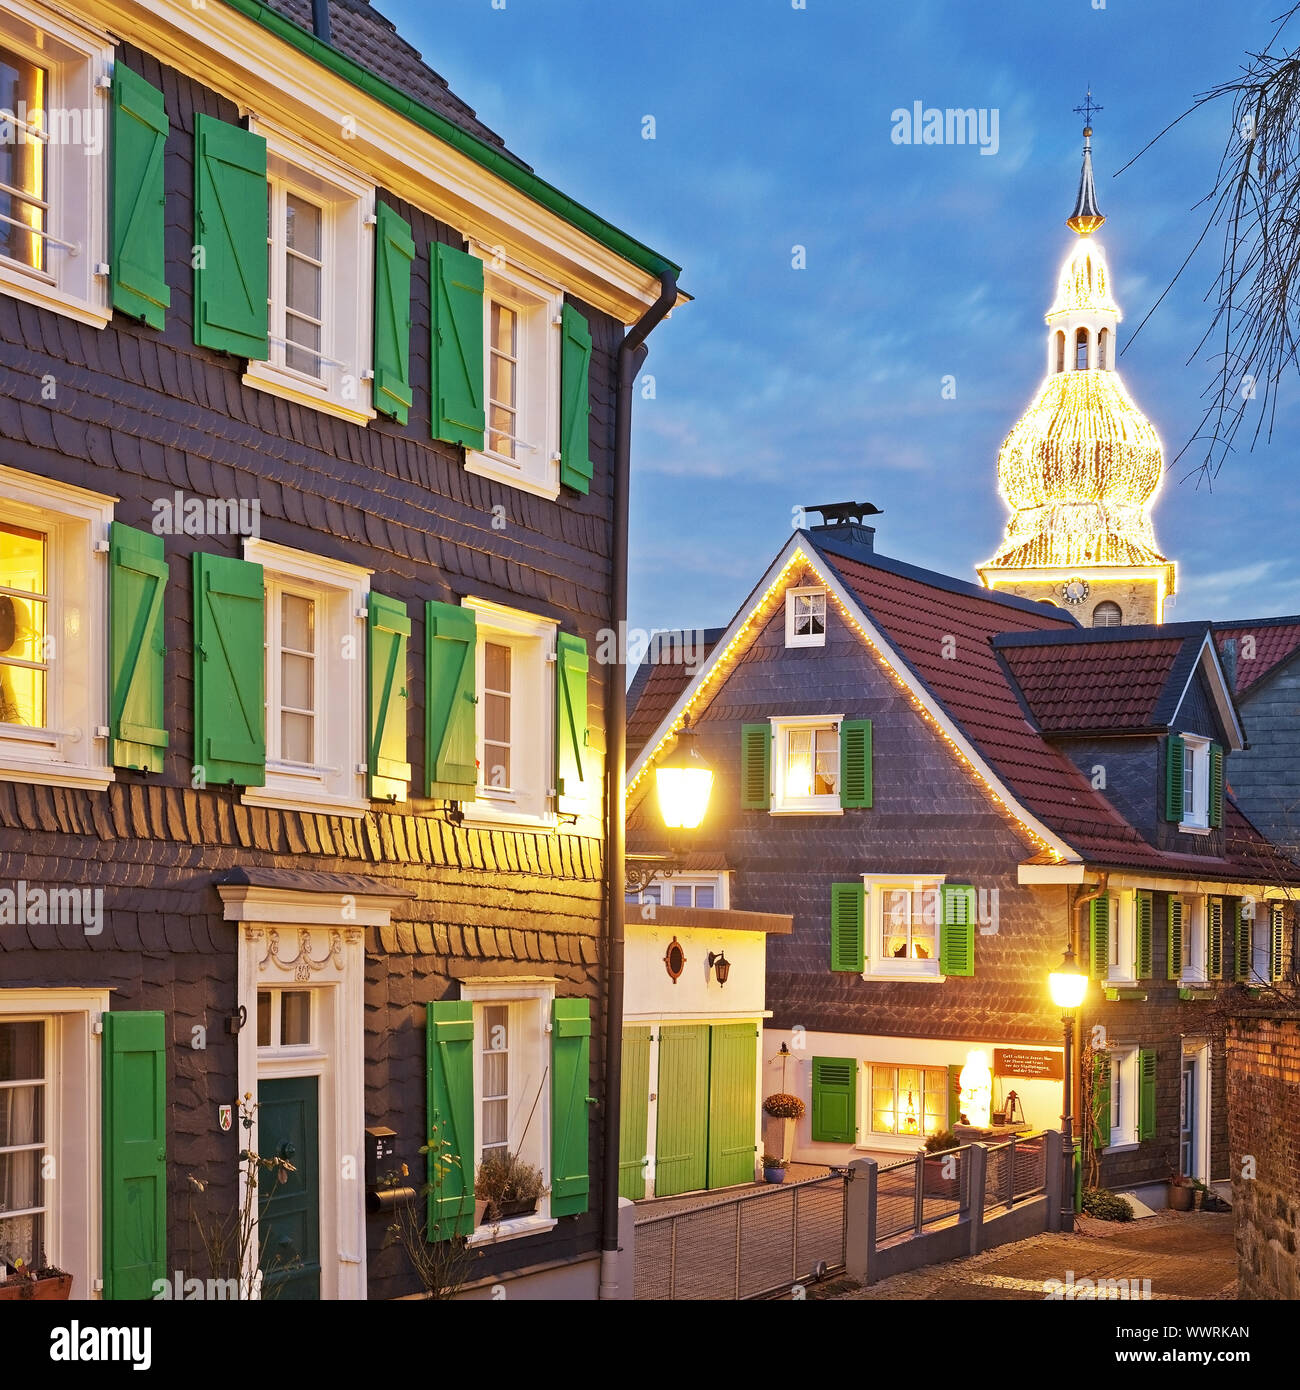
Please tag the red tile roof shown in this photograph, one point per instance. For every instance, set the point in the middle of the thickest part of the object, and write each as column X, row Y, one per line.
column 1274, row 642
column 658, row 683
column 1096, row 686
column 917, row 611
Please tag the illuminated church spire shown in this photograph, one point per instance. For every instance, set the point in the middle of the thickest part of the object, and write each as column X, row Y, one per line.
column 1082, row 466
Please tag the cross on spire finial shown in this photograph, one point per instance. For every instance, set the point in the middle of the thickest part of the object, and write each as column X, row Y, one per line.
column 1088, row 107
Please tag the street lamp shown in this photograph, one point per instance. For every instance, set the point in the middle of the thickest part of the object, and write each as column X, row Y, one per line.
column 1067, row 985
column 684, row 781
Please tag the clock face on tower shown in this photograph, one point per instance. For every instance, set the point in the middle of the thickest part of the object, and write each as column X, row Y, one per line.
column 1075, row 590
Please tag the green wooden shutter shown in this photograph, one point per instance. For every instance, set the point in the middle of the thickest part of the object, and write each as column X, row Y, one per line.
column 848, row 933
column 1100, row 1102
column 1099, row 937
column 456, row 358
column 634, row 1112
column 954, row 1094
column 450, row 1077
column 575, row 401
column 229, row 670
column 1144, row 910
column 755, row 767
column 855, row 763
column 1174, row 778
column 394, row 253
column 733, row 1068
column 957, row 929
column 1240, row 941
column 1175, row 959
column 834, row 1100
column 570, row 1105
column 1277, row 932
column 1146, row 1094
column 1216, row 785
column 571, row 754
column 137, row 265
column 449, row 699
column 388, row 628
column 134, row 1154
column 230, row 232
column 1214, row 937
column 137, row 581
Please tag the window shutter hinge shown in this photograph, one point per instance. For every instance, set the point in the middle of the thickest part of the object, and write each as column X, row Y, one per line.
column 103, row 83
column 101, row 731
column 98, row 1285
column 552, row 792
column 101, row 269
column 97, row 1027
column 555, row 456
column 551, row 658
column 362, row 613
column 558, row 321
column 362, row 768
column 371, row 219
column 368, row 374
column 101, row 547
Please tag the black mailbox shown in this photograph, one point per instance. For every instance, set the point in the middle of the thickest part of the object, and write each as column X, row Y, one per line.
column 381, row 1145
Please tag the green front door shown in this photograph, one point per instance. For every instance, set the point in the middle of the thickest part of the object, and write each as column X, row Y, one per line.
column 288, row 1127
column 682, row 1142
column 733, row 1059
column 633, row 1107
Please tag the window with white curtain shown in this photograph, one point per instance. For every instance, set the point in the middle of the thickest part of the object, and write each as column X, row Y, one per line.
column 22, row 1141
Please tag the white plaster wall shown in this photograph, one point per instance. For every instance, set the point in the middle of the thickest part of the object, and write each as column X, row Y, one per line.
column 652, row 995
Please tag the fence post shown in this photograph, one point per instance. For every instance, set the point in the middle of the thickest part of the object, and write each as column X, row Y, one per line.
column 860, row 1219
column 977, row 1157
column 1011, row 1174
column 918, row 1196
column 1054, row 1176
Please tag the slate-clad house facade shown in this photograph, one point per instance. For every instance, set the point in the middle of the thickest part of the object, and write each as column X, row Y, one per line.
column 940, row 783
column 307, row 462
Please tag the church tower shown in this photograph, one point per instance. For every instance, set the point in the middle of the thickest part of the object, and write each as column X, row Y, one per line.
column 1082, row 466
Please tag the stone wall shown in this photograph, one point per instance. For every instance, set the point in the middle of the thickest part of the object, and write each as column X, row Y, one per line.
column 1263, row 1121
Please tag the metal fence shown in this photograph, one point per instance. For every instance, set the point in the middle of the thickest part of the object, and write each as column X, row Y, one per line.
column 755, row 1245
column 1015, row 1170
column 921, row 1190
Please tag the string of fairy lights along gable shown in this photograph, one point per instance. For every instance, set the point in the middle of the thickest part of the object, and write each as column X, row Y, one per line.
column 722, row 664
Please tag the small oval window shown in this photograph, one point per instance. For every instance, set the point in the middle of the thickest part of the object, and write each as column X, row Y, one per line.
column 675, row 960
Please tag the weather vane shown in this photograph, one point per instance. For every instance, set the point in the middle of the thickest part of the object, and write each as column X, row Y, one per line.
column 1087, row 109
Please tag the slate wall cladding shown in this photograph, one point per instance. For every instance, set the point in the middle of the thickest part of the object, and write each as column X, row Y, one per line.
column 1266, row 776
column 929, row 815
column 138, row 414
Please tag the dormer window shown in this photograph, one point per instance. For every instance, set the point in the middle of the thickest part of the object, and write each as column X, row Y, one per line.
column 805, row 618
column 1193, row 783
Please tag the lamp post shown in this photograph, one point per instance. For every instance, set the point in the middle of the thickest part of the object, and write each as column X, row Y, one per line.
column 1067, row 985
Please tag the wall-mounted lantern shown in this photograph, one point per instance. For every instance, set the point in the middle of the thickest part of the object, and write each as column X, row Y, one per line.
column 721, row 966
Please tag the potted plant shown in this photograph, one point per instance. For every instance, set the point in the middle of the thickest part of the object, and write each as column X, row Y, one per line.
column 507, row 1186
column 45, row 1283
column 773, row 1168
column 785, row 1110
column 941, row 1177
column 1182, row 1192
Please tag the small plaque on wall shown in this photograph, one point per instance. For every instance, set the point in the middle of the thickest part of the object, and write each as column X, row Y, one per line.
column 1016, row 1061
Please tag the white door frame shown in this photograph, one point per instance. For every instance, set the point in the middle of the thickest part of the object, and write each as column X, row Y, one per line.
column 1199, row 1051
column 289, row 937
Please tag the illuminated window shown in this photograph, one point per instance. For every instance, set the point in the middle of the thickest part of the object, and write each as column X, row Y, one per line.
column 23, row 176
column 24, row 603
column 1107, row 615
column 1081, row 350
column 904, row 918
column 806, row 764
column 805, row 618
column 908, row 1100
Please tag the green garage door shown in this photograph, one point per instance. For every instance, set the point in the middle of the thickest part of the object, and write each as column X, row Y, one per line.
column 682, row 1141
column 733, row 1059
column 633, row 1107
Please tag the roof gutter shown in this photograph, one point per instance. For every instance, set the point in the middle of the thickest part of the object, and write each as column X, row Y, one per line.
column 631, row 354
column 492, row 159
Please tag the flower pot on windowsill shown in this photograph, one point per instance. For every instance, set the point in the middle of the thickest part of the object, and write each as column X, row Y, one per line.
column 507, row 1211
column 54, row 1288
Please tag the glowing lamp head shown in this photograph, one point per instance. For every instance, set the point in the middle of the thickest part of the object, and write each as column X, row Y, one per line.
column 977, row 1089
column 684, row 781
column 1067, row 983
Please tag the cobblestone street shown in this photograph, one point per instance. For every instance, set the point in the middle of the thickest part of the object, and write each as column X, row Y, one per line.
column 1184, row 1255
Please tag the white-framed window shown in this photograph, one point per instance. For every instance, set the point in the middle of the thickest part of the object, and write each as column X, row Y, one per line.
column 805, row 617
column 806, row 765
column 286, row 1019
column 1257, row 920
column 903, row 927
column 53, row 162
column 320, row 263
column 315, row 680
column 1121, row 937
column 514, row 717
column 53, row 653
column 1195, row 960
column 512, row 1085
column 1123, row 1096
column 521, row 373
column 907, row 1101
column 1196, row 783
column 685, row 890
column 49, row 1130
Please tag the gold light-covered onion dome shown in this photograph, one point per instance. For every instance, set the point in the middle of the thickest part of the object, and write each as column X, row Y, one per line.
column 1082, row 466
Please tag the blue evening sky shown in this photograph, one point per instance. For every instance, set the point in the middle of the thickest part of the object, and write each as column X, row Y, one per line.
column 780, row 386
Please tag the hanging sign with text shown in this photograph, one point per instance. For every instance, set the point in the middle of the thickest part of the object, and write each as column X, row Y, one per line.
column 1015, row 1061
